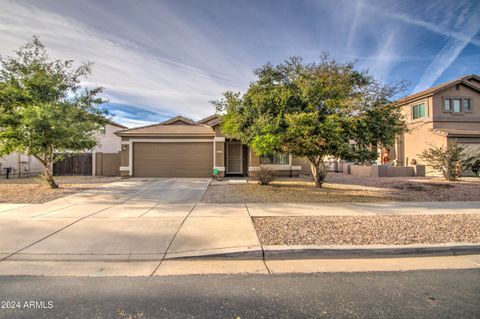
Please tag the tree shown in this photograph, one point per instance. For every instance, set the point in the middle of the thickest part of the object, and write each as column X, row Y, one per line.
column 43, row 108
column 313, row 110
column 451, row 160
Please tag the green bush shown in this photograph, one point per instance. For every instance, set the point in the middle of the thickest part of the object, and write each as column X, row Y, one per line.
column 451, row 160
column 265, row 176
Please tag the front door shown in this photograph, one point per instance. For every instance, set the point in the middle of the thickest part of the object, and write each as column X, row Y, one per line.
column 234, row 158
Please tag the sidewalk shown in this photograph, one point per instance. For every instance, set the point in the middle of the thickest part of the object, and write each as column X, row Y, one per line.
column 352, row 209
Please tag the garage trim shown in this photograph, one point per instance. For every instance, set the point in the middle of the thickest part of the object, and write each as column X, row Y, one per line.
column 130, row 142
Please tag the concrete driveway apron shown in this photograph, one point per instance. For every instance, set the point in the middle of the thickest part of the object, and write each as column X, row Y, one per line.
column 129, row 220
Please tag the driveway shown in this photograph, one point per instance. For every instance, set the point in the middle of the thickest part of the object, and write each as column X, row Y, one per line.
column 147, row 220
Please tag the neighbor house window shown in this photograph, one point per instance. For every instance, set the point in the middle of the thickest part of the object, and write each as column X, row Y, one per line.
column 467, row 107
column 103, row 130
column 418, row 111
column 457, row 104
column 447, row 105
column 282, row 159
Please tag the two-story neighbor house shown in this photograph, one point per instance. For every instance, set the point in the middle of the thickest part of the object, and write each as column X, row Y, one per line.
column 442, row 114
column 104, row 157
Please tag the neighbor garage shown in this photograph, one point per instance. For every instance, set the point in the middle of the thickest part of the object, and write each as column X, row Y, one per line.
column 177, row 159
column 470, row 143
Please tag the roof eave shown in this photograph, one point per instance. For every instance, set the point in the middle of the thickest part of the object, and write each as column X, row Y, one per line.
column 410, row 100
column 414, row 97
column 165, row 134
column 446, row 133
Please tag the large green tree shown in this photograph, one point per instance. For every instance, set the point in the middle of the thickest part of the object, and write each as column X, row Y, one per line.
column 313, row 110
column 44, row 110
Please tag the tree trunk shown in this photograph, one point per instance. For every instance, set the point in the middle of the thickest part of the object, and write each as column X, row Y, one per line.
column 49, row 176
column 319, row 173
column 47, row 162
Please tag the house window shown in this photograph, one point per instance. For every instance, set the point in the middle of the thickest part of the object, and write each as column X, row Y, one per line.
column 418, row 111
column 447, row 105
column 457, row 105
column 103, row 130
column 467, row 107
column 275, row 159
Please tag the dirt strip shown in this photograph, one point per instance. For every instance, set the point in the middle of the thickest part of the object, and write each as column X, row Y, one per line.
column 34, row 190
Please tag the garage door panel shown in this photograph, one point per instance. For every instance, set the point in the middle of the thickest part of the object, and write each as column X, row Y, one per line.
column 183, row 159
column 472, row 148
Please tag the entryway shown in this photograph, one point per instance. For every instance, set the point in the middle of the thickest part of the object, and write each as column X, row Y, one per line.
column 234, row 158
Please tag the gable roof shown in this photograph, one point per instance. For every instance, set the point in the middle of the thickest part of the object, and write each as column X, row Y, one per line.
column 168, row 128
column 117, row 124
column 178, row 118
column 211, row 120
column 464, row 80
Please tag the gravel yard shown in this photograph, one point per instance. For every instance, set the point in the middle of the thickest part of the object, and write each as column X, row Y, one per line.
column 368, row 230
column 34, row 190
column 346, row 188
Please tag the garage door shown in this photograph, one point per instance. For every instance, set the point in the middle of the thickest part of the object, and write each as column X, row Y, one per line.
column 472, row 147
column 184, row 159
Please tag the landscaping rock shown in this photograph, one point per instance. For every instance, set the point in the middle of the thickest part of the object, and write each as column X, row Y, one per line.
column 368, row 230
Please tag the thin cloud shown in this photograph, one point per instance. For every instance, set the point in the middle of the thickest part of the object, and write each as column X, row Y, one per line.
column 386, row 55
column 353, row 27
column 450, row 52
column 128, row 74
column 433, row 27
column 172, row 57
column 132, row 123
column 440, row 63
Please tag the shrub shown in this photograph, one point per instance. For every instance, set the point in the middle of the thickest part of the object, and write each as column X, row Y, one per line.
column 265, row 176
column 451, row 160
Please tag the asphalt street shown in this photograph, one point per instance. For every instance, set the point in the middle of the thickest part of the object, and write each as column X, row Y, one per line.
column 413, row 294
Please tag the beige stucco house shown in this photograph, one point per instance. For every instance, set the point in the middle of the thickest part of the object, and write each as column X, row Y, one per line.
column 437, row 116
column 180, row 147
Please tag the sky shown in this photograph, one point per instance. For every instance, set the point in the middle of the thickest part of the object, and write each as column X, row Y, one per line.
column 158, row 59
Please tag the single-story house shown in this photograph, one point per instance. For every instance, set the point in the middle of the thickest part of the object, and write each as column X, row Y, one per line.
column 180, row 147
column 449, row 112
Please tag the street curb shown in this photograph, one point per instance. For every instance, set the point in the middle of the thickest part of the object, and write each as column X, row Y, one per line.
column 312, row 251
column 275, row 252
column 247, row 252
column 366, row 251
